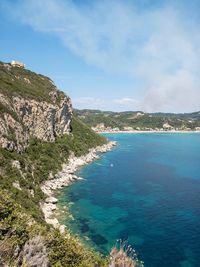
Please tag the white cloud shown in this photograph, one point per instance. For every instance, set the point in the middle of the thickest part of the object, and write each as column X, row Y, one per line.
column 180, row 91
column 157, row 45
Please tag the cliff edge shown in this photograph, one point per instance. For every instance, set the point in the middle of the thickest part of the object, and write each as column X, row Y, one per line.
column 38, row 136
column 31, row 106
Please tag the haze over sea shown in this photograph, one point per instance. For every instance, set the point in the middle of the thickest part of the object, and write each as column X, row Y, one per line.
column 146, row 191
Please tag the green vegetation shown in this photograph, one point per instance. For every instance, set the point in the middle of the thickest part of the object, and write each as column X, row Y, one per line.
column 17, row 228
column 39, row 160
column 25, row 238
column 23, row 229
column 139, row 119
column 22, row 82
column 21, row 216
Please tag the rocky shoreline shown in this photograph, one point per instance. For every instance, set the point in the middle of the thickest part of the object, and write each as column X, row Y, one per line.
column 66, row 177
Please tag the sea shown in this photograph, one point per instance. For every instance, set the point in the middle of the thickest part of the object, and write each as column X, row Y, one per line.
column 146, row 191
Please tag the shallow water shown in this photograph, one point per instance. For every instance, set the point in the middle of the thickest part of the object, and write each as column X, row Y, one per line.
column 146, row 190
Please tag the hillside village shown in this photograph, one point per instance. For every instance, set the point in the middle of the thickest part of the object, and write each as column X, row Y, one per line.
column 166, row 128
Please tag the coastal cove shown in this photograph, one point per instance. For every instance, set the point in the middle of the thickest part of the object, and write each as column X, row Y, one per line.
column 65, row 178
column 146, row 191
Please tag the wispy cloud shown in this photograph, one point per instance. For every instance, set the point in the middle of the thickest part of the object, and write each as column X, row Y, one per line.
column 158, row 45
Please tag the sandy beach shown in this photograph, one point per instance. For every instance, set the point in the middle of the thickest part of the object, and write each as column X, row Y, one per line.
column 139, row 132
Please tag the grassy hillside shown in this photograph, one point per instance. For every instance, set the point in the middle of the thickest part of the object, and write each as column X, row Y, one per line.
column 139, row 119
column 22, row 82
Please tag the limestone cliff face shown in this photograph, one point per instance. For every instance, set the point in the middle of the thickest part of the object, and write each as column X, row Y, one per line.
column 44, row 120
column 26, row 118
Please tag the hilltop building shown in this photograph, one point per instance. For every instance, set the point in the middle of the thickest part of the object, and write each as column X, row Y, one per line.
column 17, row 64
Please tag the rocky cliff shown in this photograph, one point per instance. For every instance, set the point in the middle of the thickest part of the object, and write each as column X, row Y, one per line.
column 36, row 121
column 24, row 114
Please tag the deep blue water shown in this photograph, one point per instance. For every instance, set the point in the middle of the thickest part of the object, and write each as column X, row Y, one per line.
column 146, row 190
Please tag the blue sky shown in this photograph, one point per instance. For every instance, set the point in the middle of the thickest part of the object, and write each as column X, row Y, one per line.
column 110, row 54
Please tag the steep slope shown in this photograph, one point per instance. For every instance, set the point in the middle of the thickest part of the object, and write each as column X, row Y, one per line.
column 37, row 134
column 31, row 106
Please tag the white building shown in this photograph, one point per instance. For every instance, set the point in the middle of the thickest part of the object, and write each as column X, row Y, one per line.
column 17, row 64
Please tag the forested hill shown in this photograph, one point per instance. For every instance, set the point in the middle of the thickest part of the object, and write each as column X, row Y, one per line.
column 138, row 120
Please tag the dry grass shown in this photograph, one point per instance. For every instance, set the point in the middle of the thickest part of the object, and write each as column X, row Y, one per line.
column 123, row 255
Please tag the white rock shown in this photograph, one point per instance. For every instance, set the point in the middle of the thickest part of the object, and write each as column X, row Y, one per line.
column 17, row 185
column 52, row 200
column 64, row 178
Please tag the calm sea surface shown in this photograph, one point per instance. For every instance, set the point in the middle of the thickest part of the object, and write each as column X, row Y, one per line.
column 146, row 191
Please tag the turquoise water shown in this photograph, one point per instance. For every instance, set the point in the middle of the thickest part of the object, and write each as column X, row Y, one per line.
column 146, row 191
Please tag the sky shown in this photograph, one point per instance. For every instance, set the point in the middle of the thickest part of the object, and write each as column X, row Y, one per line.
column 114, row 55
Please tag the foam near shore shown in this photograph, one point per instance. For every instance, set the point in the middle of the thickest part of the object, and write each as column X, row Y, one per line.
column 64, row 178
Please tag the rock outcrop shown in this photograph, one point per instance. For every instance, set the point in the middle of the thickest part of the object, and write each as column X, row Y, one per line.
column 25, row 118
column 30, row 106
column 44, row 120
